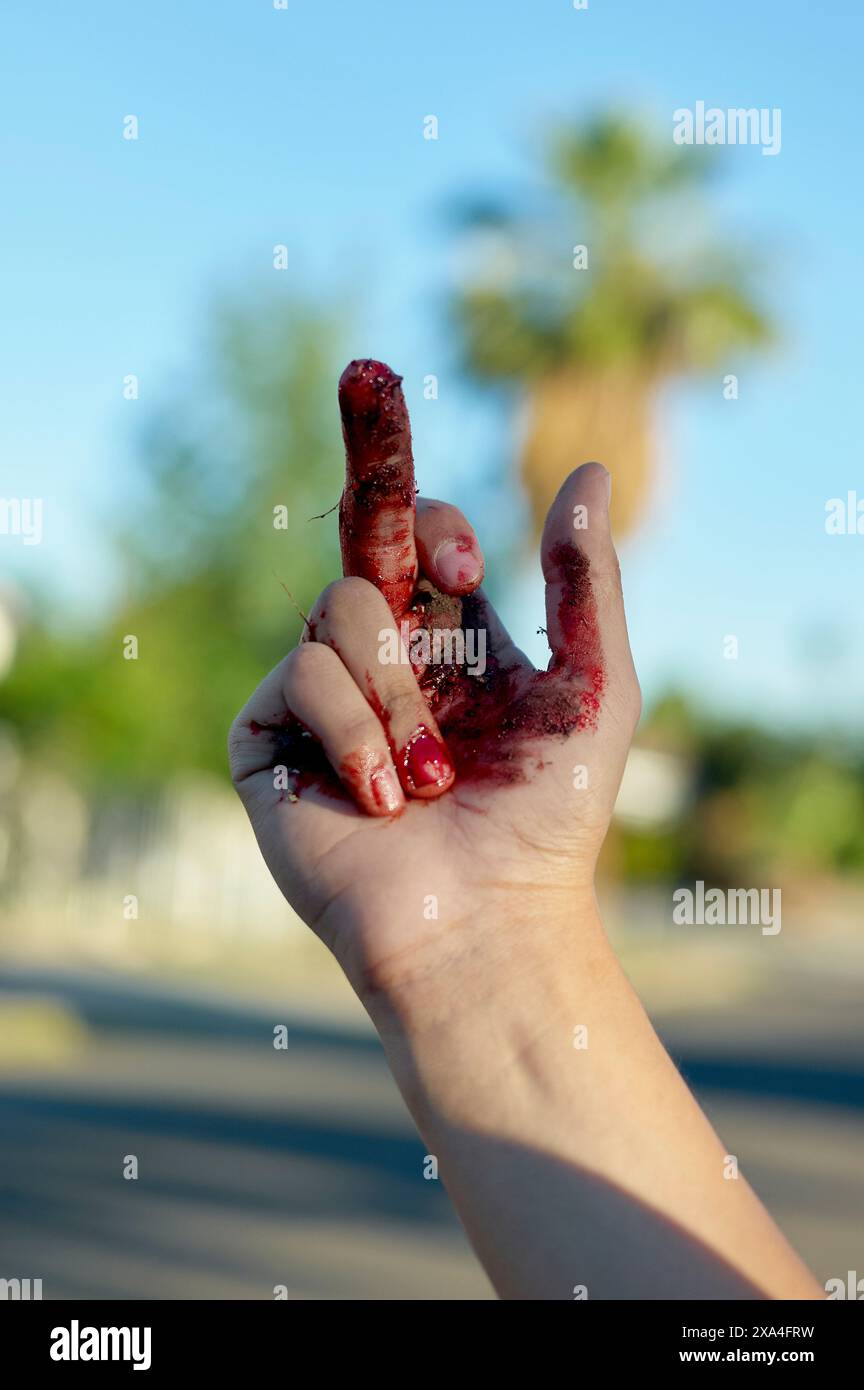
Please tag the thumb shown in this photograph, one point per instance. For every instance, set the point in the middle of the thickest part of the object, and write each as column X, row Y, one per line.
column 584, row 601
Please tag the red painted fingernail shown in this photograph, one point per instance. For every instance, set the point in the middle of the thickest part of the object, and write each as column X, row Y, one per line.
column 426, row 761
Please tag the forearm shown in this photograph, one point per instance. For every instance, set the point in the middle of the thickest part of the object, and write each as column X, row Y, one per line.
column 571, row 1147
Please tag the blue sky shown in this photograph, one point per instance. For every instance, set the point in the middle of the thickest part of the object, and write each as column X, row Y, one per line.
column 304, row 127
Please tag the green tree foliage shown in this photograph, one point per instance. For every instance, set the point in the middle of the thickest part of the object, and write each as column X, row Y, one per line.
column 255, row 429
column 658, row 296
column 784, row 805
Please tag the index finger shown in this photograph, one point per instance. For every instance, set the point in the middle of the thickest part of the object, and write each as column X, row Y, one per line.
column 376, row 513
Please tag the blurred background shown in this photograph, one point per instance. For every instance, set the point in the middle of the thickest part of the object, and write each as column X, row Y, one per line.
column 210, row 209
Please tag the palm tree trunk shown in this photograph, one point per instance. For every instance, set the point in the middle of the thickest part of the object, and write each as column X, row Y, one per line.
column 577, row 415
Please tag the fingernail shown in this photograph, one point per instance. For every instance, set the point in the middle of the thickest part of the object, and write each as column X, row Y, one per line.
column 426, row 761
column 386, row 791
column 456, row 563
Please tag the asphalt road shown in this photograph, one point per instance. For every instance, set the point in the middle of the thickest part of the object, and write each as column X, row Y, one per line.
column 299, row 1168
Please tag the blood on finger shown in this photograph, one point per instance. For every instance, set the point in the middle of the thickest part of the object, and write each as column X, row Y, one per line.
column 376, row 512
column 580, row 649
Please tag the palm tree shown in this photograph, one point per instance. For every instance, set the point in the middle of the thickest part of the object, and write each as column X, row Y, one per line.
column 591, row 344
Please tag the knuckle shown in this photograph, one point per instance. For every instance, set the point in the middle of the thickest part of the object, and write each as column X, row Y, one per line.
column 361, row 731
column 404, row 705
column 344, row 596
column 606, row 574
column 638, row 703
column 443, row 519
column 307, row 661
column 236, row 736
column 631, row 699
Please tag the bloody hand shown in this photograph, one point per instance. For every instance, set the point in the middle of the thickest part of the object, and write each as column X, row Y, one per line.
column 407, row 708
column 487, row 716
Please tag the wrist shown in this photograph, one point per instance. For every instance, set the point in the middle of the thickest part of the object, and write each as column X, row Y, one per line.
column 511, row 941
column 500, row 995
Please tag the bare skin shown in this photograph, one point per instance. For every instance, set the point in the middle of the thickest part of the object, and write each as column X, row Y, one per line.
column 440, row 832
